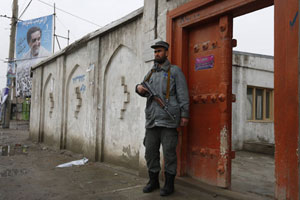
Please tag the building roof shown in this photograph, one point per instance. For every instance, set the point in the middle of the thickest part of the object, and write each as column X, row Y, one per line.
column 252, row 54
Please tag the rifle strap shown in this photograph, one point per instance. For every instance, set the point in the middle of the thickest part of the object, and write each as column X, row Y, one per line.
column 150, row 74
column 168, row 85
column 168, row 81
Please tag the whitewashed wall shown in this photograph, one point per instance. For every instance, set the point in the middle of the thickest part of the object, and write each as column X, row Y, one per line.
column 250, row 70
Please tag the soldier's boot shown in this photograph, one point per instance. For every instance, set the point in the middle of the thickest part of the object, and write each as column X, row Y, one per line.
column 153, row 183
column 169, row 185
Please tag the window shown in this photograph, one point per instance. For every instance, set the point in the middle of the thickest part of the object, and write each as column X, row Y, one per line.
column 259, row 104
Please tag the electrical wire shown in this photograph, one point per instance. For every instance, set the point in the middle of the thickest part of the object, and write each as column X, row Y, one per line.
column 61, row 23
column 5, row 16
column 58, row 19
column 25, row 9
column 70, row 13
column 23, row 5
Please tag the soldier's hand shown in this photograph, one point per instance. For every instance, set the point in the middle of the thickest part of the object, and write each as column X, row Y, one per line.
column 184, row 121
column 141, row 89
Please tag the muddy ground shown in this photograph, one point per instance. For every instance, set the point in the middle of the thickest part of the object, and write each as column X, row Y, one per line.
column 31, row 174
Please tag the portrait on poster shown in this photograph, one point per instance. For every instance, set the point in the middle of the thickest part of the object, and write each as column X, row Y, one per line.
column 33, row 44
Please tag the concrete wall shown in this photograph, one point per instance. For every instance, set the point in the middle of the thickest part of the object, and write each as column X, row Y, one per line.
column 122, row 119
column 79, row 110
column 250, row 70
column 83, row 97
column 63, row 111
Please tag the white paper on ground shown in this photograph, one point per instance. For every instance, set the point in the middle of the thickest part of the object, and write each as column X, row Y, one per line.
column 75, row 162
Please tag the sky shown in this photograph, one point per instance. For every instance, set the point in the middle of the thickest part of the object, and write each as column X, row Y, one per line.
column 254, row 32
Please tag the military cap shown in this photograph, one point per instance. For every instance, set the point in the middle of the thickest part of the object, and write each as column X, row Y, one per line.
column 160, row 44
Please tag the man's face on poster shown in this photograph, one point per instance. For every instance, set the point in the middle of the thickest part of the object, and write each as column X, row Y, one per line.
column 35, row 43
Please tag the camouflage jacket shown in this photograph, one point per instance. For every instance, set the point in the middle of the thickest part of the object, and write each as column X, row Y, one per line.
column 178, row 103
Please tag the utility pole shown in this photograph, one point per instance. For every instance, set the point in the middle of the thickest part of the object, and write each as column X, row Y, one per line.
column 11, row 59
column 54, row 15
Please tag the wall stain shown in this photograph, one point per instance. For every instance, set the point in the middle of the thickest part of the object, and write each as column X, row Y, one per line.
column 223, row 142
column 129, row 157
column 246, row 60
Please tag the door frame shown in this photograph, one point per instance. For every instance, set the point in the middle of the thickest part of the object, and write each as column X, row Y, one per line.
column 286, row 53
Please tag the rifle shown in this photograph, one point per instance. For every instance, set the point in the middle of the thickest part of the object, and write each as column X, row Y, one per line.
column 157, row 98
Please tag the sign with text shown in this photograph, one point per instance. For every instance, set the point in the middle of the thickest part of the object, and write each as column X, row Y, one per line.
column 205, row 62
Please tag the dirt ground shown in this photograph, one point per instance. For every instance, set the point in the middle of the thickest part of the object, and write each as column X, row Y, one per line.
column 253, row 173
column 31, row 174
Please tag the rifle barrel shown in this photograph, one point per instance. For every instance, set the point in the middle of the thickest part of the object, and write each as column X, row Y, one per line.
column 158, row 99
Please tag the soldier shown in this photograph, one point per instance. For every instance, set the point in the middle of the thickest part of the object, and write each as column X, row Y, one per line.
column 170, row 85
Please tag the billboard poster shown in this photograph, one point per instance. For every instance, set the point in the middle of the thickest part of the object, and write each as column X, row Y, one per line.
column 11, row 70
column 33, row 44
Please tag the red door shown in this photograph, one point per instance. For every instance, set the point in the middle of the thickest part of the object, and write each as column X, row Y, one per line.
column 203, row 49
column 209, row 80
